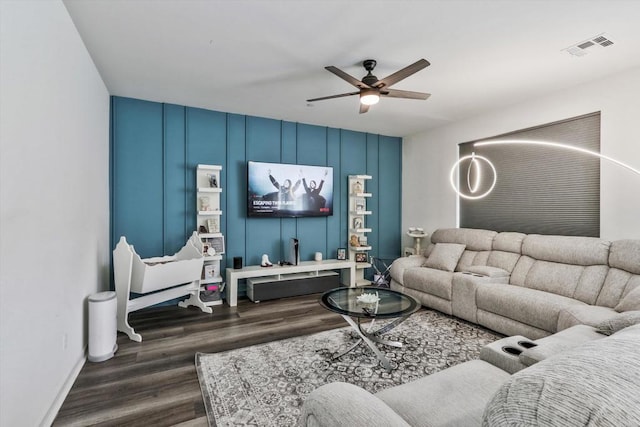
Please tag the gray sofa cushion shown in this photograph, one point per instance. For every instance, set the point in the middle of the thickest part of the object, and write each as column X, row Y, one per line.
column 445, row 256
column 580, row 282
column 567, row 249
column 504, row 260
column 631, row 301
column 508, row 242
column 472, row 258
column 342, row 404
column 473, row 239
column 619, row 322
column 616, row 285
column 455, row 396
column 583, row 315
column 625, row 255
column 594, row 384
column 429, row 281
column 529, row 306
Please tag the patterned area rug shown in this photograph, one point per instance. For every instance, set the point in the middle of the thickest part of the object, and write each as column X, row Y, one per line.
column 265, row 385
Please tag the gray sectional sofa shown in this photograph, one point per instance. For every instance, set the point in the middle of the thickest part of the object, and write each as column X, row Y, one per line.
column 583, row 379
column 555, row 297
column 518, row 284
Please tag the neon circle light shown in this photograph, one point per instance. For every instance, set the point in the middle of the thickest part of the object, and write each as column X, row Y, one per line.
column 478, row 174
column 474, row 157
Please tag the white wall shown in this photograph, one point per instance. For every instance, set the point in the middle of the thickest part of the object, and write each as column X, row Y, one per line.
column 430, row 202
column 54, row 206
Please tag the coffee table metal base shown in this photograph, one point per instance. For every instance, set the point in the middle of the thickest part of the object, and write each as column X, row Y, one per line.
column 370, row 337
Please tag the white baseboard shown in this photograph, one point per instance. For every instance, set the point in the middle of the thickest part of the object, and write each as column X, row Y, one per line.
column 51, row 414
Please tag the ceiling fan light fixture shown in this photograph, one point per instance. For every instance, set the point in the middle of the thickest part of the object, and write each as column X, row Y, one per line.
column 369, row 97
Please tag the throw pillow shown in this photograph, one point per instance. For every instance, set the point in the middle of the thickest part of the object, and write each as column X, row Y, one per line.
column 445, row 256
column 631, row 301
column 619, row 322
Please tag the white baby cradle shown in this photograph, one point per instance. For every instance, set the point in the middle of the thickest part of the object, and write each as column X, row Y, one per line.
column 159, row 279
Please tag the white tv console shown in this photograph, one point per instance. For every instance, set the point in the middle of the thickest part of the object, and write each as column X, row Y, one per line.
column 276, row 272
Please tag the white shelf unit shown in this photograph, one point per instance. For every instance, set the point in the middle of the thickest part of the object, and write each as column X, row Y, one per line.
column 208, row 216
column 358, row 227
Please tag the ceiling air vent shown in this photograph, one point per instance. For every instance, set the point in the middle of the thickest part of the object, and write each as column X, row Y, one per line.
column 590, row 45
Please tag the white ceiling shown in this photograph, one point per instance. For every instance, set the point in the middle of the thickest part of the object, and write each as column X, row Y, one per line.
column 265, row 58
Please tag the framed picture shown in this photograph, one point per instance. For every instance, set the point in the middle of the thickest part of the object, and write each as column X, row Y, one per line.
column 342, row 253
column 357, row 222
column 361, row 257
column 213, row 225
column 360, row 204
column 216, row 243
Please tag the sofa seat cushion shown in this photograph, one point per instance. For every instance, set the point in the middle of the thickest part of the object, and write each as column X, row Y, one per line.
column 594, row 384
column 530, row 306
column 455, row 396
column 430, row 281
column 630, row 302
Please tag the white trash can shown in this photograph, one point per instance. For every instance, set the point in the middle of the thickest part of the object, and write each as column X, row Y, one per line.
column 103, row 308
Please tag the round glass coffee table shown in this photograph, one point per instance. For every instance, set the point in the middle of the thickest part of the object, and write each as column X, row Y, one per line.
column 369, row 304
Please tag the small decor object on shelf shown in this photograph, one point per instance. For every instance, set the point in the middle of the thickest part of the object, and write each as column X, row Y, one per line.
column 217, row 243
column 363, row 240
column 360, row 204
column 357, row 187
column 204, row 204
column 361, row 257
column 265, row 261
column 342, row 254
column 357, row 222
column 213, row 225
column 209, row 271
column 213, row 180
column 202, row 229
column 318, row 256
column 354, row 241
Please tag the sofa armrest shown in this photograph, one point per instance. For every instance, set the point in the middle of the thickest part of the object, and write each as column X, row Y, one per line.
column 463, row 293
column 342, row 404
column 584, row 315
column 559, row 342
column 399, row 266
column 488, row 271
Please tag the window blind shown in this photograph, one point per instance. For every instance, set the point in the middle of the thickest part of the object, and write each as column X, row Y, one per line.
column 543, row 190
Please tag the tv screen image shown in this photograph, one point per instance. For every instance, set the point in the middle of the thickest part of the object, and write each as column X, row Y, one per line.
column 286, row 190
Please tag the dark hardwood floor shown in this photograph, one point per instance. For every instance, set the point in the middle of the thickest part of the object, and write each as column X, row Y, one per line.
column 155, row 383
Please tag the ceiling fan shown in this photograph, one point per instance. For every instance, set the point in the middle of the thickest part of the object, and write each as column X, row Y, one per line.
column 371, row 89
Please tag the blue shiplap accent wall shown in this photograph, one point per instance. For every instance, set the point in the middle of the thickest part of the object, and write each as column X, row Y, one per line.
column 154, row 152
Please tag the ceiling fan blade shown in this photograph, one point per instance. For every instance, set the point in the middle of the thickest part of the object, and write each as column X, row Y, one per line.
column 333, row 96
column 363, row 108
column 346, row 77
column 394, row 93
column 403, row 74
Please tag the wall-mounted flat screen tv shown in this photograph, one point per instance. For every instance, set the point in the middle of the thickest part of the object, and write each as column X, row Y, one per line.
column 286, row 190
